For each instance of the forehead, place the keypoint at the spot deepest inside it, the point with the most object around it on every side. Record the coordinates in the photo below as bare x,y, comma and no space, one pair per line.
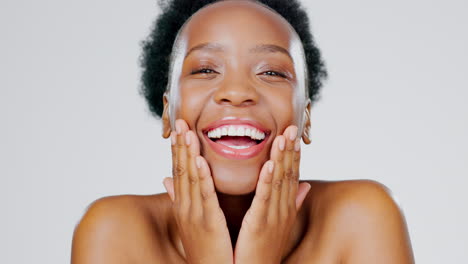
237,25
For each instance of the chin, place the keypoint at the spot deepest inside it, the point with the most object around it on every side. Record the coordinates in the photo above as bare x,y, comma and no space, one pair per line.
236,149
236,178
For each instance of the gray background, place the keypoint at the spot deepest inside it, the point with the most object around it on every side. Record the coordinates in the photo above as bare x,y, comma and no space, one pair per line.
74,128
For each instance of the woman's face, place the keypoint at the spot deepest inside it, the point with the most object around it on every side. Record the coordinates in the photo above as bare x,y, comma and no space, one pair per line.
238,70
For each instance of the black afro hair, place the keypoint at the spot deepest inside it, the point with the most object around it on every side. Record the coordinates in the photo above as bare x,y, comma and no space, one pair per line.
157,48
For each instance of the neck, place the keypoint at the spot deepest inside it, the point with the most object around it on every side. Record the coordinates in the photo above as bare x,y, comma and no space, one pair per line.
234,207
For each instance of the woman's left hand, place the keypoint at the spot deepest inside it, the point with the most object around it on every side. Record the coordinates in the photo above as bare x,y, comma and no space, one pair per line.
268,223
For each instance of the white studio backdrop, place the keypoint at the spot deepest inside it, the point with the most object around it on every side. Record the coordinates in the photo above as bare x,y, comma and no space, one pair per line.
74,128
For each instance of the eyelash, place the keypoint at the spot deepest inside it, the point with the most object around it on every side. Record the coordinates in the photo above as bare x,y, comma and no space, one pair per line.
280,74
202,69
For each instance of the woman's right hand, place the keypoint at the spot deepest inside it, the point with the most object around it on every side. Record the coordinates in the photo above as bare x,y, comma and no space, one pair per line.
200,220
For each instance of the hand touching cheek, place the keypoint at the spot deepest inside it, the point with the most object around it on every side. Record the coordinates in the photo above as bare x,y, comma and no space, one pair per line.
268,223
200,220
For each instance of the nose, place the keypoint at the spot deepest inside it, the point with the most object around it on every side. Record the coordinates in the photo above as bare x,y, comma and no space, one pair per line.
237,91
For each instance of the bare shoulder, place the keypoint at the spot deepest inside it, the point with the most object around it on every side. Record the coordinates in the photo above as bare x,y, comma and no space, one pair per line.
122,229
360,219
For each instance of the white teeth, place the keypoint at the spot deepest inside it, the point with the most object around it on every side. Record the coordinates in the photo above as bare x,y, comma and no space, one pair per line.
260,135
255,135
239,131
232,131
238,147
215,133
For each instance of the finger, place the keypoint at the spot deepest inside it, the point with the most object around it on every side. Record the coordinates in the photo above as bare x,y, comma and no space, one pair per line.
207,188
296,171
182,194
262,196
286,203
277,155
193,151
302,192
175,164
169,185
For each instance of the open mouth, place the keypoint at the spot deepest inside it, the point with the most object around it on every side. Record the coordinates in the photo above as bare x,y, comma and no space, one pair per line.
236,137
236,141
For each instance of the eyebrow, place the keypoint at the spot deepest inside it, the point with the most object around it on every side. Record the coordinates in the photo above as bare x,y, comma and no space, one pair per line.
269,48
262,48
213,47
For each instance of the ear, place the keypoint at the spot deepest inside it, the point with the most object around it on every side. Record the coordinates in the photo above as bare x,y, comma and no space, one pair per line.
306,131
166,129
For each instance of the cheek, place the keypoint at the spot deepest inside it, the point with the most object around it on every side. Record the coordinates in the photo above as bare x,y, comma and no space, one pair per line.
192,99
281,103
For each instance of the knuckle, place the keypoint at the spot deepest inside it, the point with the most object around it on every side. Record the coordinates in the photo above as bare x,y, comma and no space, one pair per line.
289,174
193,179
280,157
206,195
277,183
297,156
192,153
268,180
296,176
178,170
179,145
264,197
202,176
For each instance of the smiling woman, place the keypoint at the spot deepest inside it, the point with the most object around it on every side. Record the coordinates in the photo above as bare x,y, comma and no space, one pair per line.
234,91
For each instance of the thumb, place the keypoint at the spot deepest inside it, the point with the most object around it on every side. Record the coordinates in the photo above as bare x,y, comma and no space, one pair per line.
303,190
169,185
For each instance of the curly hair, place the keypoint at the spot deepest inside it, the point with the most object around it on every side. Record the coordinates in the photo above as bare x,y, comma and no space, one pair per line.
157,48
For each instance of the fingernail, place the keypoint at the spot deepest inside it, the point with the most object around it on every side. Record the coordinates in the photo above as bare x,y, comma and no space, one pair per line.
173,138
198,162
178,128
297,145
187,139
271,166
281,143
292,133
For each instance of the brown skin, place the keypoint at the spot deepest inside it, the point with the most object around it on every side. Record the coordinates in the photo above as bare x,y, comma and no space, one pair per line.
226,211
238,84
265,230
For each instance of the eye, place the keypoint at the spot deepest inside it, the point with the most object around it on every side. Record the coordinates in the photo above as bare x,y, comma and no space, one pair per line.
203,70
275,73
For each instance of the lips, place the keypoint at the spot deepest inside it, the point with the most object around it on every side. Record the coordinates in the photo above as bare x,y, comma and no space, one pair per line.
236,138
